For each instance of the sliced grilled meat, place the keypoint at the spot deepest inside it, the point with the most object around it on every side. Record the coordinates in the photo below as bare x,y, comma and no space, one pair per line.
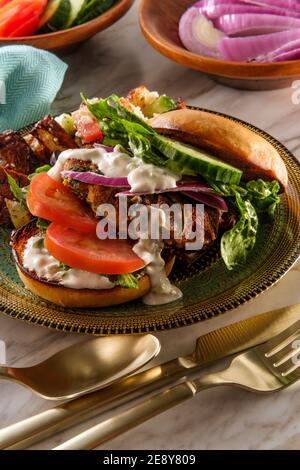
214,220
15,154
5,193
52,137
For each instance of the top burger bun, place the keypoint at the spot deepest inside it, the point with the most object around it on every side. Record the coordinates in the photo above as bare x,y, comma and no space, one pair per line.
228,140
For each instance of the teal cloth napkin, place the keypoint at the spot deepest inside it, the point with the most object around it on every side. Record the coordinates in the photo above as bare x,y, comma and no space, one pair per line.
29,81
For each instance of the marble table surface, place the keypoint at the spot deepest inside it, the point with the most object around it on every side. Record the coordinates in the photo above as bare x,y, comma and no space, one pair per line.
118,60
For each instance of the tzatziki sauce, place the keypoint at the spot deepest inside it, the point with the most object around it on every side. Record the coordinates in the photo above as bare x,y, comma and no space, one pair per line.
142,177
36,258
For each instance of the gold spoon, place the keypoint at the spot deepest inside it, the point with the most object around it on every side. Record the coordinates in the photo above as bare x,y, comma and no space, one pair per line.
85,367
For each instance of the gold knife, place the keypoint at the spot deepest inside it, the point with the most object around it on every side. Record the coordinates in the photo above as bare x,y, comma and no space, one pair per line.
209,348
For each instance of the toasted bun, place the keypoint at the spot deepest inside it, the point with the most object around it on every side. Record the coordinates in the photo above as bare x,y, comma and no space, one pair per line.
73,298
230,141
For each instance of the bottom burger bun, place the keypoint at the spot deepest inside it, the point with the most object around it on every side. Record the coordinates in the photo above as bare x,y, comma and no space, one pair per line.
74,298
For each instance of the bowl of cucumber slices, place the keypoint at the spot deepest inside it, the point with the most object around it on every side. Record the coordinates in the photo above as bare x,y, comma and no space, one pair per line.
57,24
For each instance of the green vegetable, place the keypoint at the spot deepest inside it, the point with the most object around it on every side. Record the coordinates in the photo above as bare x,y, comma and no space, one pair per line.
240,240
40,169
115,118
141,146
161,105
256,197
119,124
193,161
66,121
76,6
18,193
55,16
264,196
42,224
91,9
128,281
63,267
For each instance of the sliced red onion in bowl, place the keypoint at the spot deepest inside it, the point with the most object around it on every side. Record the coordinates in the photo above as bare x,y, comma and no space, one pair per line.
241,49
93,178
198,34
287,50
213,8
250,24
216,10
212,200
287,4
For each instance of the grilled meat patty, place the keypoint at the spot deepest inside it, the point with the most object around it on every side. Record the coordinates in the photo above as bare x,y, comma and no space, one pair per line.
214,219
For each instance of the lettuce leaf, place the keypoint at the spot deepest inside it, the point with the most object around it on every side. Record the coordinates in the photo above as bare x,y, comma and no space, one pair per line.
128,281
40,169
18,192
256,197
237,243
264,196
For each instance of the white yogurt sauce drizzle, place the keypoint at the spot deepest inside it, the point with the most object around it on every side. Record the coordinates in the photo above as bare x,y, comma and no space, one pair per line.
142,177
117,164
37,258
162,291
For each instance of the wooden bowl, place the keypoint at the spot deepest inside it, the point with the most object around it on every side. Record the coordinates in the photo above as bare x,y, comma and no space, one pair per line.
70,38
159,23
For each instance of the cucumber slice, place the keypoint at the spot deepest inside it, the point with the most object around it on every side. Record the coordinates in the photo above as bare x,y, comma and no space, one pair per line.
56,16
76,6
161,105
91,9
189,160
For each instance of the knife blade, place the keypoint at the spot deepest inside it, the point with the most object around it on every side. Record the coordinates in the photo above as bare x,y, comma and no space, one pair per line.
210,347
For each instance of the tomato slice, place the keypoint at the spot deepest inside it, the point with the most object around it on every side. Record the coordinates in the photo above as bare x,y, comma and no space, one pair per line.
4,2
53,201
27,28
87,126
89,253
17,13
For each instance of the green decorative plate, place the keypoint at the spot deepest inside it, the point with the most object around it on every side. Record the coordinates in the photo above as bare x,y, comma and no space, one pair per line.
208,288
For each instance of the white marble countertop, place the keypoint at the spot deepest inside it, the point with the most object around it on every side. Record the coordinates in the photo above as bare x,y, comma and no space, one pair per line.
118,60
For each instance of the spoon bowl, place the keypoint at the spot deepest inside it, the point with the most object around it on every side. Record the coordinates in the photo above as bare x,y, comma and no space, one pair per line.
85,367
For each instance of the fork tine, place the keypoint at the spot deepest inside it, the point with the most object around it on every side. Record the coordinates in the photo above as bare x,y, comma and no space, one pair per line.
283,344
288,356
290,370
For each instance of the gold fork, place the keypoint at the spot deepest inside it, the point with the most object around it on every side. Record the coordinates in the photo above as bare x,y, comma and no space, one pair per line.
268,368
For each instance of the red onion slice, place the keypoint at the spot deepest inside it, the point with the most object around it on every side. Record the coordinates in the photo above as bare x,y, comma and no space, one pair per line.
215,12
212,200
248,48
198,34
286,4
93,178
181,186
282,53
104,147
250,24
